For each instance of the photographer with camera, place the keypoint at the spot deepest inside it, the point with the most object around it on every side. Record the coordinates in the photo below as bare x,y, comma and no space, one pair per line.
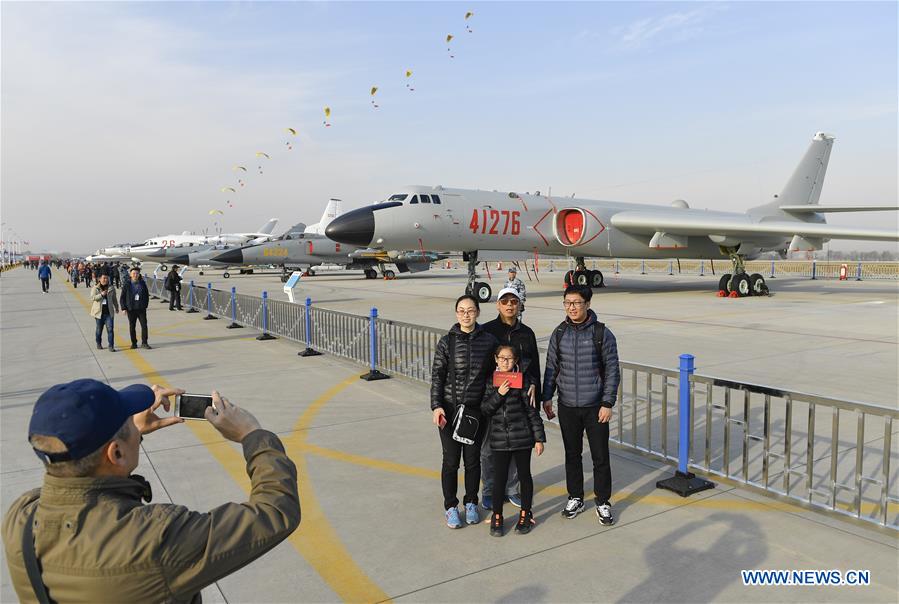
86,536
172,284
103,301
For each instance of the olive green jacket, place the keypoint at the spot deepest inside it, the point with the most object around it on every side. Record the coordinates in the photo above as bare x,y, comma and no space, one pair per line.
96,542
112,301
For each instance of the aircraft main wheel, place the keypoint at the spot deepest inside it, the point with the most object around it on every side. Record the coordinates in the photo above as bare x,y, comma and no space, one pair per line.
284,278
581,277
226,274
596,279
371,273
757,285
740,284
389,274
163,268
567,280
201,273
724,283
482,292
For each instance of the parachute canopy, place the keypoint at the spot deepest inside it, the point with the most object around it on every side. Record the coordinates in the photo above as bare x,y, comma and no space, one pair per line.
292,131
468,15
408,73
374,89
228,189
236,168
212,212
262,154
449,37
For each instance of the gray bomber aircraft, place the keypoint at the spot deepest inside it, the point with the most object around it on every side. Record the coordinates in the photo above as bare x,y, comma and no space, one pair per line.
306,250
472,221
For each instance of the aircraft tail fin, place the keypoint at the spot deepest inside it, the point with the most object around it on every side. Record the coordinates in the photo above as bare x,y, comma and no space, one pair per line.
332,211
268,227
804,186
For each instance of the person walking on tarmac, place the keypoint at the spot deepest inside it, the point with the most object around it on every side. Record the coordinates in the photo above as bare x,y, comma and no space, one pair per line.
462,362
134,301
582,362
173,286
104,306
507,328
518,285
44,274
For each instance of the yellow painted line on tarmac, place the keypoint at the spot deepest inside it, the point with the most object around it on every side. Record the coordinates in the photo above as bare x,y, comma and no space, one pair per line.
316,540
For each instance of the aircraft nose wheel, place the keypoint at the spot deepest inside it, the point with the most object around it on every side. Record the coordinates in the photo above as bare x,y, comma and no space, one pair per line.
226,275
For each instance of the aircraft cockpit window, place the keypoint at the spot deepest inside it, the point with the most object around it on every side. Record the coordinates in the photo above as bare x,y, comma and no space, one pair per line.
425,199
414,199
398,197
435,199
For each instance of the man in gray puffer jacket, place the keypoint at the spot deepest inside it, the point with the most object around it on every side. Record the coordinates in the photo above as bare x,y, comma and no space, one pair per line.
582,362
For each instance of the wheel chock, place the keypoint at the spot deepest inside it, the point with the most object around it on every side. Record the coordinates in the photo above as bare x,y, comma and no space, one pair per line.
722,293
734,295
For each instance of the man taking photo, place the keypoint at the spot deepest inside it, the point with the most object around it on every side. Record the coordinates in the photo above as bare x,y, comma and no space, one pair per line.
582,362
87,537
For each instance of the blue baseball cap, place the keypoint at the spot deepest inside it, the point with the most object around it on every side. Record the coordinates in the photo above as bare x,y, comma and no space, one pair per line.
84,415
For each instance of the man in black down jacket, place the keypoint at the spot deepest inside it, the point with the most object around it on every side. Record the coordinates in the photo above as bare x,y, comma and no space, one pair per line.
172,284
588,387
507,328
134,300
458,376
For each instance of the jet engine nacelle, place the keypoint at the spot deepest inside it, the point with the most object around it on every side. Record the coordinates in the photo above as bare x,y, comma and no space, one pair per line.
574,227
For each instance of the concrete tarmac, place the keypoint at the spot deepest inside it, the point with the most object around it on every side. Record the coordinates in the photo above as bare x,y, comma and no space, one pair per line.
369,459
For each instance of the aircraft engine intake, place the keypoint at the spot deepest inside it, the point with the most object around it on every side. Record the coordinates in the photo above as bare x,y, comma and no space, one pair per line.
575,227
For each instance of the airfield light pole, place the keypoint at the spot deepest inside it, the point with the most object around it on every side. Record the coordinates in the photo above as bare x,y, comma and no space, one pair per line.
684,483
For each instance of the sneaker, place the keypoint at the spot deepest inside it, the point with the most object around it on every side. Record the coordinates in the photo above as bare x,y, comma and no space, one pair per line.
134,347
99,346
574,507
496,526
111,349
146,346
452,518
525,522
604,513
487,502
514,500
471,513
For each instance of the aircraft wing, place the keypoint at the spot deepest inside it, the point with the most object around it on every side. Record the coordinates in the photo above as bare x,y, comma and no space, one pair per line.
696,224
814,208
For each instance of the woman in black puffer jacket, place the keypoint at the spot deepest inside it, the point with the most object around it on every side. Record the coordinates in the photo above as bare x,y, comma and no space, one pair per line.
462,362
514,429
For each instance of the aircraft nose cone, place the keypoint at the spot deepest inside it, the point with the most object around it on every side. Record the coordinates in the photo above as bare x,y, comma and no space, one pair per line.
230,257
356,227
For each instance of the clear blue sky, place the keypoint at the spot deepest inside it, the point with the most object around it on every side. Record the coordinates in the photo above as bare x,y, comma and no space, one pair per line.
123,120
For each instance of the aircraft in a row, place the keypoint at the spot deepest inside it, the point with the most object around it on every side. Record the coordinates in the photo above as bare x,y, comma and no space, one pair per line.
488,223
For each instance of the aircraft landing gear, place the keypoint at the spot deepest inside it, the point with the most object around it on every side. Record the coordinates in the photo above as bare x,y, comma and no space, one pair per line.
739,284
371,273
226,275
581,275
478,289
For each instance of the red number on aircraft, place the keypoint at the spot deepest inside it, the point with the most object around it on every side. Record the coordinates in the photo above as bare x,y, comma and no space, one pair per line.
509,218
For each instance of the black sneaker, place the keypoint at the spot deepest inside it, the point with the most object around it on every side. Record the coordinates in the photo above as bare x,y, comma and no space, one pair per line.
496,526
574,507
604,513
112,349
525,522
99,346
134,347
147,346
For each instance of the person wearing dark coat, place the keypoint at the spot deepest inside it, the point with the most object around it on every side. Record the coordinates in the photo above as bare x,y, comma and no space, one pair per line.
173,286
134,301
514,429
462,362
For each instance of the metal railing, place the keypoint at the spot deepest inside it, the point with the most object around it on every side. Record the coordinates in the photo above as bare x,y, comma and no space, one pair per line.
800,447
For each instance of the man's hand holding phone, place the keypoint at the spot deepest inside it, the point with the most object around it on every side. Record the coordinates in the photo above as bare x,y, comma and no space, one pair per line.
147,421
230,420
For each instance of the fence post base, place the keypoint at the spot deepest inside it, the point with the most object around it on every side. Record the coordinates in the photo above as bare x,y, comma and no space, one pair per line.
209,318
685,484
266,336
234,326
374,375
191,310
309,352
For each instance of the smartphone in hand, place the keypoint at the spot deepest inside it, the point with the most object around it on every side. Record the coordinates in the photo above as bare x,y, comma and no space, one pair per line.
192,406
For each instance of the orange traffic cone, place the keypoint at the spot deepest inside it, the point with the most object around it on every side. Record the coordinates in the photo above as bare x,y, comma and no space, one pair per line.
722,293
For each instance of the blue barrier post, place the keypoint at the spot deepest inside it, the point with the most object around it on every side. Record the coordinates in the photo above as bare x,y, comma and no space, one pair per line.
858,272
265,335
701,268
643,267
190,298
684,483
373,373
814,269
309,352
209,316
671,267
617,266
234,323
772,270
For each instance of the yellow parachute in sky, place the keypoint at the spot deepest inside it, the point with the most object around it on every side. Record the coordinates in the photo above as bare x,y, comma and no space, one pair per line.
292,131
228,189
468,16
262,154
236,168
449,38
327,117
374,89
212,212
408,75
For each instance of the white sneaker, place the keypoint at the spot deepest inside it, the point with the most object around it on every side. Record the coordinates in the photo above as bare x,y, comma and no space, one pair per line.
604,513
574,507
